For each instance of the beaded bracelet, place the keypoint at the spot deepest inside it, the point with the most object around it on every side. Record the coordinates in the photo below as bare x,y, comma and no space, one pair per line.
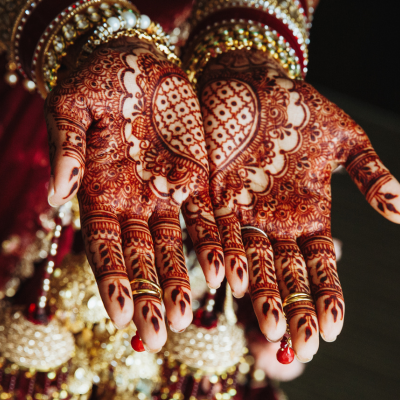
39,33
237,35
106,21
279,27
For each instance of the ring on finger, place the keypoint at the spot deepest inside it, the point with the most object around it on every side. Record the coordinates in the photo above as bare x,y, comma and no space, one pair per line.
295,297
248,227
137,290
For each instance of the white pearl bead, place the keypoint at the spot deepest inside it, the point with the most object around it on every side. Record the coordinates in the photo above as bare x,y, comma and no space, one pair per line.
113,23
144,21
130,19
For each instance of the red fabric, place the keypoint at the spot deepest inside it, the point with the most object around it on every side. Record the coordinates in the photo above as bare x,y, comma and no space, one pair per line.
24,170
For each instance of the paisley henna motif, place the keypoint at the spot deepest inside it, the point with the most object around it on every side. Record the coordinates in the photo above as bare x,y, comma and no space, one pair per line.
127,126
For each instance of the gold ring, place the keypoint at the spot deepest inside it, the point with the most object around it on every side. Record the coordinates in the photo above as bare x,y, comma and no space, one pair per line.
295,297
157,291
248,227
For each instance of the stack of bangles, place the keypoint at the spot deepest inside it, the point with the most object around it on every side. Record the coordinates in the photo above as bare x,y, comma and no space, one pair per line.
43,30
279,28
142,286
38,33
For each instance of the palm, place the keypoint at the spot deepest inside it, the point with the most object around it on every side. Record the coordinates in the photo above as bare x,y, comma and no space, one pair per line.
272,145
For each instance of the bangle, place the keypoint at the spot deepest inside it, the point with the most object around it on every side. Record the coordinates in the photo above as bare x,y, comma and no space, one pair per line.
237,35
280,28
106,20
39,32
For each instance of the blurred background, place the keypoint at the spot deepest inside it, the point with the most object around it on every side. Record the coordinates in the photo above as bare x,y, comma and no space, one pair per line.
353,62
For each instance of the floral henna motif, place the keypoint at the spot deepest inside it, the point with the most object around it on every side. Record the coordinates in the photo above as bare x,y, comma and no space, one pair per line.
102,234
272,144
138,250
370,175
204,234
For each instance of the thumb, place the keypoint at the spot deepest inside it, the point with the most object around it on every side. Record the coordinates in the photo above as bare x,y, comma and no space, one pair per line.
67,145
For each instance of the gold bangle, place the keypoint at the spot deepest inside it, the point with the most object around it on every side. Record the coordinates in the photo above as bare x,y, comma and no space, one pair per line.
103,20
68,26
157,291
237,35
160,41
291,13
295,297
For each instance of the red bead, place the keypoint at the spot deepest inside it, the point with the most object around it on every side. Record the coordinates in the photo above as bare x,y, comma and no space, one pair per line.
137,344
205,319
285,355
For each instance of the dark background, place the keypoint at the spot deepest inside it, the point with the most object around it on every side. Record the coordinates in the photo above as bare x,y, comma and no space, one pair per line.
354,61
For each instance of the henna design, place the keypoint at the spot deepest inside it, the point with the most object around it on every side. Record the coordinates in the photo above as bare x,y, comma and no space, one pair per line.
204,234
151,312
272,144
230,233
262,275
319,253
307,320
292,273
170,260
121,289
130,130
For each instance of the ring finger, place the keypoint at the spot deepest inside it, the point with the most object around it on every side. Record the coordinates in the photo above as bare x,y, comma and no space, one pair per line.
263,288
139,260
292,278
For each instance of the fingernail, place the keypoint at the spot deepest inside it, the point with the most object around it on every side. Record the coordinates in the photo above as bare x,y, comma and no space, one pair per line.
213,288
51,191
272,341
326,340
236,296
120,327
303,360
151,351
175,330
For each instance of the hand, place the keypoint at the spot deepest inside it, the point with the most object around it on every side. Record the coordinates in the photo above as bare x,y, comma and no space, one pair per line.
272,144
125,130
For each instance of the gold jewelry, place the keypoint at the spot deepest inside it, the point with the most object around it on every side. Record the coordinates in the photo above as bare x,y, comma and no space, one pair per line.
157,291
158,40
290,12
295,297
248,227
106,20
236,35
278,27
